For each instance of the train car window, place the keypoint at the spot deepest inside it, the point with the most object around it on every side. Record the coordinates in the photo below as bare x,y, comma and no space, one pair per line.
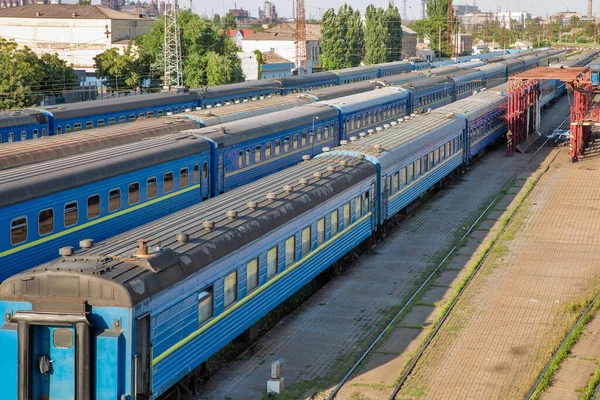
131,117
93,206
404,176
277,146
241,159
272,261
71,214
168,182
196,173
89,125
150,114
183,177
306,241
204,170
290,251
443,153
303,139
396,181
111,122
59,130
68,129
114,199
320,231
205,305
335,221
44,132
286,144
347,215
46,221
230,289
437,156
159,113
62,338
319,133
100,123
431,163
141,115
133,193
311,138
411,172
151,188
295,143
326,132
122,119
176,110
268,150
358,207
353,123
358,124
247,156
24,135
11,137
370,118
257,153
76,127
18,230
252,275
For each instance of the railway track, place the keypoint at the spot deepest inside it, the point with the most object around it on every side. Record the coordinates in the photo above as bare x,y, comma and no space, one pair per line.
413,299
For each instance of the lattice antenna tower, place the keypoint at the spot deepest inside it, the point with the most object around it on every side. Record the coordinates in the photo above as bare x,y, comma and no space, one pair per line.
423,8
301,64
404,10
172,47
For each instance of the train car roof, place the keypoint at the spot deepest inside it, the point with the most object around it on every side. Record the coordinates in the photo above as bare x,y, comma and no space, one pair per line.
220,115
32,181
110,274
334,92
403,79
21,117
467,75
232,89
394,65
360,101
298,80
401,141
427,83
241,131
451,69
476,105
471,64
59,146
118,104
356,70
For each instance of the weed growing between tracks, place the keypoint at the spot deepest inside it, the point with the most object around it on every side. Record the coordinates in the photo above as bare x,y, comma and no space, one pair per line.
589,390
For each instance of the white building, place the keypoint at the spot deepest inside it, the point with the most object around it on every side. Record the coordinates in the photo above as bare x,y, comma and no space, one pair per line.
77,33
281,40
506,18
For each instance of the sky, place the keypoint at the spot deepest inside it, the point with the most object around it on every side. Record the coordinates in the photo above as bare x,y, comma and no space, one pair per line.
315,8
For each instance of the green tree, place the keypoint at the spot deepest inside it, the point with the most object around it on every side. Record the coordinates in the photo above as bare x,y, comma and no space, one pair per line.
228,21
120,71
56,75
376,35
394,29
20,72
355,39
333,41
217,20
201,42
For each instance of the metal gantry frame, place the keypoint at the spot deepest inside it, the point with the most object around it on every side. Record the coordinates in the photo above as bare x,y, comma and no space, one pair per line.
523,96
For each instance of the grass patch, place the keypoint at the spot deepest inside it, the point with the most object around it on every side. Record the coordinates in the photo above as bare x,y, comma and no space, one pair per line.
588,392
425,303
565,351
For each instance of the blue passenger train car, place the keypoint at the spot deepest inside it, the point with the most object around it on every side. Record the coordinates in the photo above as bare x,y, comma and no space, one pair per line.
22,125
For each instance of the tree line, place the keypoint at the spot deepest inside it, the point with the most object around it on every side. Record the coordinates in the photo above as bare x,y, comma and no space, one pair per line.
347,42
208,56
26,78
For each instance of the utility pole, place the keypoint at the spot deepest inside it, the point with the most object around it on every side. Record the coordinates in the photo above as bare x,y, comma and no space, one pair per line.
301,64
172,48
423,3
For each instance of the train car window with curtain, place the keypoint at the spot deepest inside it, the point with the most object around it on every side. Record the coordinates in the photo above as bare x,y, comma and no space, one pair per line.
230,289
252,275
168,182
334,223
241,159
205,305
151,188
272,258
114,200
18,230
347,215
257,153
133,193
277,146
46,221
196,173
306,241
321,231
183,177
247,156
71,214
93,206
290,251
358,208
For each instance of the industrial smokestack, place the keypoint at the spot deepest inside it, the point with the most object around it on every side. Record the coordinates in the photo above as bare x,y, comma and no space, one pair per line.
589,9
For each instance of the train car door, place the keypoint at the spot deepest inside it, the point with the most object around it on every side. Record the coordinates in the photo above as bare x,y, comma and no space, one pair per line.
142,356
53,363
221,173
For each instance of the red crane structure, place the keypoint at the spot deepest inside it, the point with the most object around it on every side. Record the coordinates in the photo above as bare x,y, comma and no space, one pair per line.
301,65
523,96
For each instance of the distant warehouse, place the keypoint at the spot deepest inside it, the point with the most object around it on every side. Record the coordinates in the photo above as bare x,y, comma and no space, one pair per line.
77,33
